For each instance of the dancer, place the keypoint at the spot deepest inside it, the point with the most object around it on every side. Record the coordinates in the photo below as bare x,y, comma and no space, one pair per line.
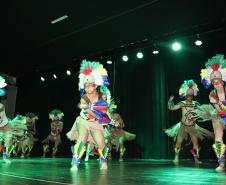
187,125
5,137
53,140
18,131
117,136
89,124
11,131
28,143
215,74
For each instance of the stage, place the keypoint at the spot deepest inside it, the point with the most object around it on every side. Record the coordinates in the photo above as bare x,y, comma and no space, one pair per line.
40,171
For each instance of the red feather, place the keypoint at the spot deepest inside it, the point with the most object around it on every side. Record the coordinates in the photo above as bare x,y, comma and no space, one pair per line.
215,67
87,70
190,86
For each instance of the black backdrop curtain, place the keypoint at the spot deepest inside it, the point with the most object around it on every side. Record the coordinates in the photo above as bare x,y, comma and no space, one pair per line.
141,96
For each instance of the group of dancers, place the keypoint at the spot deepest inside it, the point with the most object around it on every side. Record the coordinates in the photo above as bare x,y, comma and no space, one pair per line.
99,128
17,135
214,74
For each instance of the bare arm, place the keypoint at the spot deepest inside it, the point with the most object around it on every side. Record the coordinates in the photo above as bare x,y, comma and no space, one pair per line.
171,105
217,107
53,126
61,126
85,106
34,129
82,104
120,121
215,103
1,107
122,124
90,112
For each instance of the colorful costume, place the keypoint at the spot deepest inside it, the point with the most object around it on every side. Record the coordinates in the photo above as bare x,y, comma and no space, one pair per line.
11,133
215,74
27,144
5,136
187,125
89,124
18,130
116,136
54,138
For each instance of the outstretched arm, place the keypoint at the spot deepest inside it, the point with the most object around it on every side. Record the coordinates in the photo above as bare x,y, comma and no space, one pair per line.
61,126
171,105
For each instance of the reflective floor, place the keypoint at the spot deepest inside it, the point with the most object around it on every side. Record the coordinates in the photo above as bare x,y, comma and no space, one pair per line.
40,171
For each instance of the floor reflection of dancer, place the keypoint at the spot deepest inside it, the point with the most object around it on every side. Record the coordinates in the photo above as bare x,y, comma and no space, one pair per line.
187,125
53,140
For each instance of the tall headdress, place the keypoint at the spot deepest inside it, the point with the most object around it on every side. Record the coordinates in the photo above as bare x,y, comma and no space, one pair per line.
57,113
18,125
19,119
31,116
215,69
94,72
188,87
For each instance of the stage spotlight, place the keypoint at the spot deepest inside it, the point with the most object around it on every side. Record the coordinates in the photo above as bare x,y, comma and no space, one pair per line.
68,72
176,46
155,52
125,58
59,19
198,42
42,79
109,62
140,55
55,76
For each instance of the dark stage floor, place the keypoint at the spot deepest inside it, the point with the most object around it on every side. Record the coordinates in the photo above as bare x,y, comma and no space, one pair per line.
40,171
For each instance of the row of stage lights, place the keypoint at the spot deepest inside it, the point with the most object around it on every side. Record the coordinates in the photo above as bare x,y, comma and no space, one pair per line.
68,72
176,46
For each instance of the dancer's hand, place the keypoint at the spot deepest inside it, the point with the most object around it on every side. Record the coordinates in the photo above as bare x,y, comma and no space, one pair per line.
114,123
171,98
